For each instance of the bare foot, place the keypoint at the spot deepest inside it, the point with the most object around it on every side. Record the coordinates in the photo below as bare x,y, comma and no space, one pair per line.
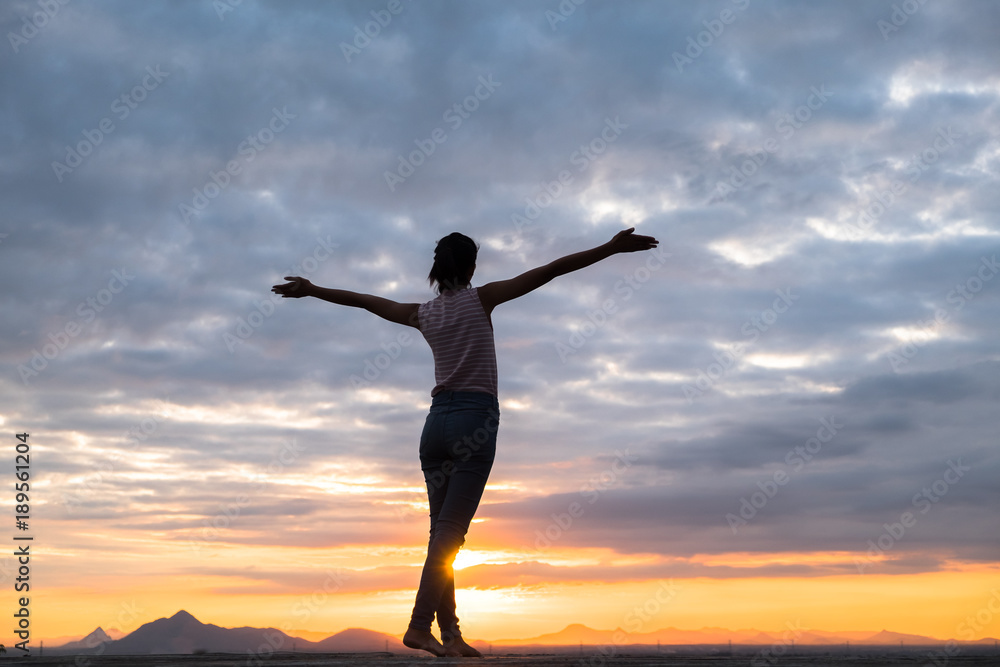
425,641
464,649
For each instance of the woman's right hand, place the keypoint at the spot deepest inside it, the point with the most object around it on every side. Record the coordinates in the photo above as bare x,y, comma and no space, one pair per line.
296,289
627,241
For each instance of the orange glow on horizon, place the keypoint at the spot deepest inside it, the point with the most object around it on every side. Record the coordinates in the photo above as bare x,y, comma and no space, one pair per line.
869,602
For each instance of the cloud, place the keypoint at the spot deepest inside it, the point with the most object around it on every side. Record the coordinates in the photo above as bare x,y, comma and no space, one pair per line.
808,113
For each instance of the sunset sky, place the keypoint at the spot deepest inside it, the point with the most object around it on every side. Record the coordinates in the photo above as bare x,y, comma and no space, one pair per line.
786,415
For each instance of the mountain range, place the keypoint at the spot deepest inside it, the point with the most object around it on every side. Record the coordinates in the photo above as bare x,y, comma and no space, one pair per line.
183,633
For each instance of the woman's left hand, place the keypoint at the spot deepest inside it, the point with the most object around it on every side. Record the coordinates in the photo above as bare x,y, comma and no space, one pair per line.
296,289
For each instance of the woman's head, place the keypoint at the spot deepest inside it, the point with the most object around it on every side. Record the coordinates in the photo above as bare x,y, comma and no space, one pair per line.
454,262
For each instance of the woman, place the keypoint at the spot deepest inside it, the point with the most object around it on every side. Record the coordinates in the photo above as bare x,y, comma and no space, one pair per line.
458,441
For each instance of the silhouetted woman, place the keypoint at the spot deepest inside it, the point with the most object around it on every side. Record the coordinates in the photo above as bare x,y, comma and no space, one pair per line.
458,441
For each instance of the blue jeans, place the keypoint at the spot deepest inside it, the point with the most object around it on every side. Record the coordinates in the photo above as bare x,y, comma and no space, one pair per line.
457,447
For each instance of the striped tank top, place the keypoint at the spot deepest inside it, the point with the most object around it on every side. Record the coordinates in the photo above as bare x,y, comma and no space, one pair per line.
461,339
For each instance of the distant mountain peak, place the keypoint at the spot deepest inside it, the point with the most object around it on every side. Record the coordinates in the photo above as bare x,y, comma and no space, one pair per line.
95,638
183,616
98,634
884,636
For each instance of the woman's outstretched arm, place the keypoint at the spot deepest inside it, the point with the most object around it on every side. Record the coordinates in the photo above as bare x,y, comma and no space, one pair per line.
495,293
400,313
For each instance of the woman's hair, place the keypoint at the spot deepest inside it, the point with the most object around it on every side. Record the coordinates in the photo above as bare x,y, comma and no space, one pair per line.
454,257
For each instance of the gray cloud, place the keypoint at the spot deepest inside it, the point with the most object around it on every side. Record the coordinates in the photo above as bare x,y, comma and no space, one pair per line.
195,337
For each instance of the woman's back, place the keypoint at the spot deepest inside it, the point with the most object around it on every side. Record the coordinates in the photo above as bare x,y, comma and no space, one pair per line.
460,335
